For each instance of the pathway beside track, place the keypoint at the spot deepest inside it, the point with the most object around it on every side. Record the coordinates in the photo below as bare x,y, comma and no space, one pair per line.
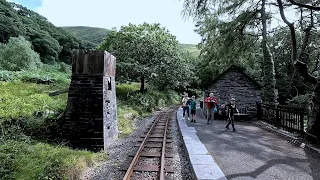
254,153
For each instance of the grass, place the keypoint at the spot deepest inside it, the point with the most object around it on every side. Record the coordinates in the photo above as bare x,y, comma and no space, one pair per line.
20,160
23,99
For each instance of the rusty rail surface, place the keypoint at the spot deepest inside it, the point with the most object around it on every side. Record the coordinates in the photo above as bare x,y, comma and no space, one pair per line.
160,118
162,166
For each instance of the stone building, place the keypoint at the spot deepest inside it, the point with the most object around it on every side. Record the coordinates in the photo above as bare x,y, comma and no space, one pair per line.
234,83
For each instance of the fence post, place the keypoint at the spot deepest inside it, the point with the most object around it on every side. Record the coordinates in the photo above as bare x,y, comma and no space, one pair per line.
278,120
301,122
258,110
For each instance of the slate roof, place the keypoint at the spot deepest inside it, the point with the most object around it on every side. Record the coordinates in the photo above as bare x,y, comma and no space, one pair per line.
233,67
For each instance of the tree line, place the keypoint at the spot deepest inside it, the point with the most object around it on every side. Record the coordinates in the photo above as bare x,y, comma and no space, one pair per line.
284,59
50,42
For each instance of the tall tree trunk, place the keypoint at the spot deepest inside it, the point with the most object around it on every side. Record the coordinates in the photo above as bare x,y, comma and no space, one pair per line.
142,84
313,125
269,80
314,111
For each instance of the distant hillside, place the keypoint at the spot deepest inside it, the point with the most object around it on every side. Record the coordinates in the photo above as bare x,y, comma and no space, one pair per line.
96,36
191,48
91,34
46,39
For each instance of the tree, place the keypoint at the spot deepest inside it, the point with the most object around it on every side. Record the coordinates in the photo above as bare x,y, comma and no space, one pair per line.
303,47
145,52
52,43
246,19
10,25
299,60
18,55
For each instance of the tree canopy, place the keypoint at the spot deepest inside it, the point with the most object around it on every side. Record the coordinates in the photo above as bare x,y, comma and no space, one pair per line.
18,55
52,43
289,54
147,52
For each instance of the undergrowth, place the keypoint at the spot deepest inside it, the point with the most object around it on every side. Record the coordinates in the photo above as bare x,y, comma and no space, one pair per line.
19,99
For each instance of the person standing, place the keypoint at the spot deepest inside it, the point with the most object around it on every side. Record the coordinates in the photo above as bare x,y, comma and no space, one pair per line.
231,109
193,108
211,102
185,105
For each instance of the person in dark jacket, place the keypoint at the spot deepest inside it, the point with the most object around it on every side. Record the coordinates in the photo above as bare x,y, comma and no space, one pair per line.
231,110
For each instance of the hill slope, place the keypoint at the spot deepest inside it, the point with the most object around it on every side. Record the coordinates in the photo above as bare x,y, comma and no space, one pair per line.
91,34
47,39
96,35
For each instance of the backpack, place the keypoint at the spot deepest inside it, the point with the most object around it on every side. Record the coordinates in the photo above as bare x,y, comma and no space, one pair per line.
215,110
189,102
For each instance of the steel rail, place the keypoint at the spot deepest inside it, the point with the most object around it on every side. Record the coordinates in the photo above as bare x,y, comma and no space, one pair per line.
136,157
162,166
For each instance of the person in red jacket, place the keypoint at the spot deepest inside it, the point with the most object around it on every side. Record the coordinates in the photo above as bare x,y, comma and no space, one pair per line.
211,103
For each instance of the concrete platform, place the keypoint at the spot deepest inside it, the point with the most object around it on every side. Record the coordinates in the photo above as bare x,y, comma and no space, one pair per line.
203,164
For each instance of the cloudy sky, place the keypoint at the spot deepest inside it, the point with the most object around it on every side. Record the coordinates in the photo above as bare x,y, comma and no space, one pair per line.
115,13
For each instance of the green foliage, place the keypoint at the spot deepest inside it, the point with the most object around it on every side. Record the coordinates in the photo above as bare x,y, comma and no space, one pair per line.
20,160
50,42
10,24
92,35
223,45
146,52
17,55
122,90
301,100
126,115
21,156
191,49
23,99
130,105
47,74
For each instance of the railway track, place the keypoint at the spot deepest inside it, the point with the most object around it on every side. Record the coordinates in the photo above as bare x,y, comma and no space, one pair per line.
155,144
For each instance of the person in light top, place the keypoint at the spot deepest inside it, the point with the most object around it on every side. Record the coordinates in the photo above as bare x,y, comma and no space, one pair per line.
185,105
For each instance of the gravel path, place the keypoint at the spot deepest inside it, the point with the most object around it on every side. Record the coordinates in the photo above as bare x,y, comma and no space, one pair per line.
118,155
254,153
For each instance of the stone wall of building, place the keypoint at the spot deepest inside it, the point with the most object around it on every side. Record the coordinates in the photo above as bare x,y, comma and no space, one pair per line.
233,84
91,116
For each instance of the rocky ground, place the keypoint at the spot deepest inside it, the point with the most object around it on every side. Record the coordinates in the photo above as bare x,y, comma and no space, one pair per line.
118,155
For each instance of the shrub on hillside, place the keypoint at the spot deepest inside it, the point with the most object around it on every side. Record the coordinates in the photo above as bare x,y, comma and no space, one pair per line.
18,55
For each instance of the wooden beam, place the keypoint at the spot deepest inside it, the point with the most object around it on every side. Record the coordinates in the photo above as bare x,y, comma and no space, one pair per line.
56,93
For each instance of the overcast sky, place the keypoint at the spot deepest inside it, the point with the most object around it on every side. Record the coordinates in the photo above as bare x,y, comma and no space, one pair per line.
115,13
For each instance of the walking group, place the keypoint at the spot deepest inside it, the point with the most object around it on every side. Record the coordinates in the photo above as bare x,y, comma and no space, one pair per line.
212,107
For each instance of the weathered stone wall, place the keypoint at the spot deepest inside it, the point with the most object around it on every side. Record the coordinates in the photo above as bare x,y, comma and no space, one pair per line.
90,119
235,85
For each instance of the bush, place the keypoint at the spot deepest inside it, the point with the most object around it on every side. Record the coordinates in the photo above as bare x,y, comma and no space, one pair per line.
48,74
301,100
18,55
8,75
122,90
